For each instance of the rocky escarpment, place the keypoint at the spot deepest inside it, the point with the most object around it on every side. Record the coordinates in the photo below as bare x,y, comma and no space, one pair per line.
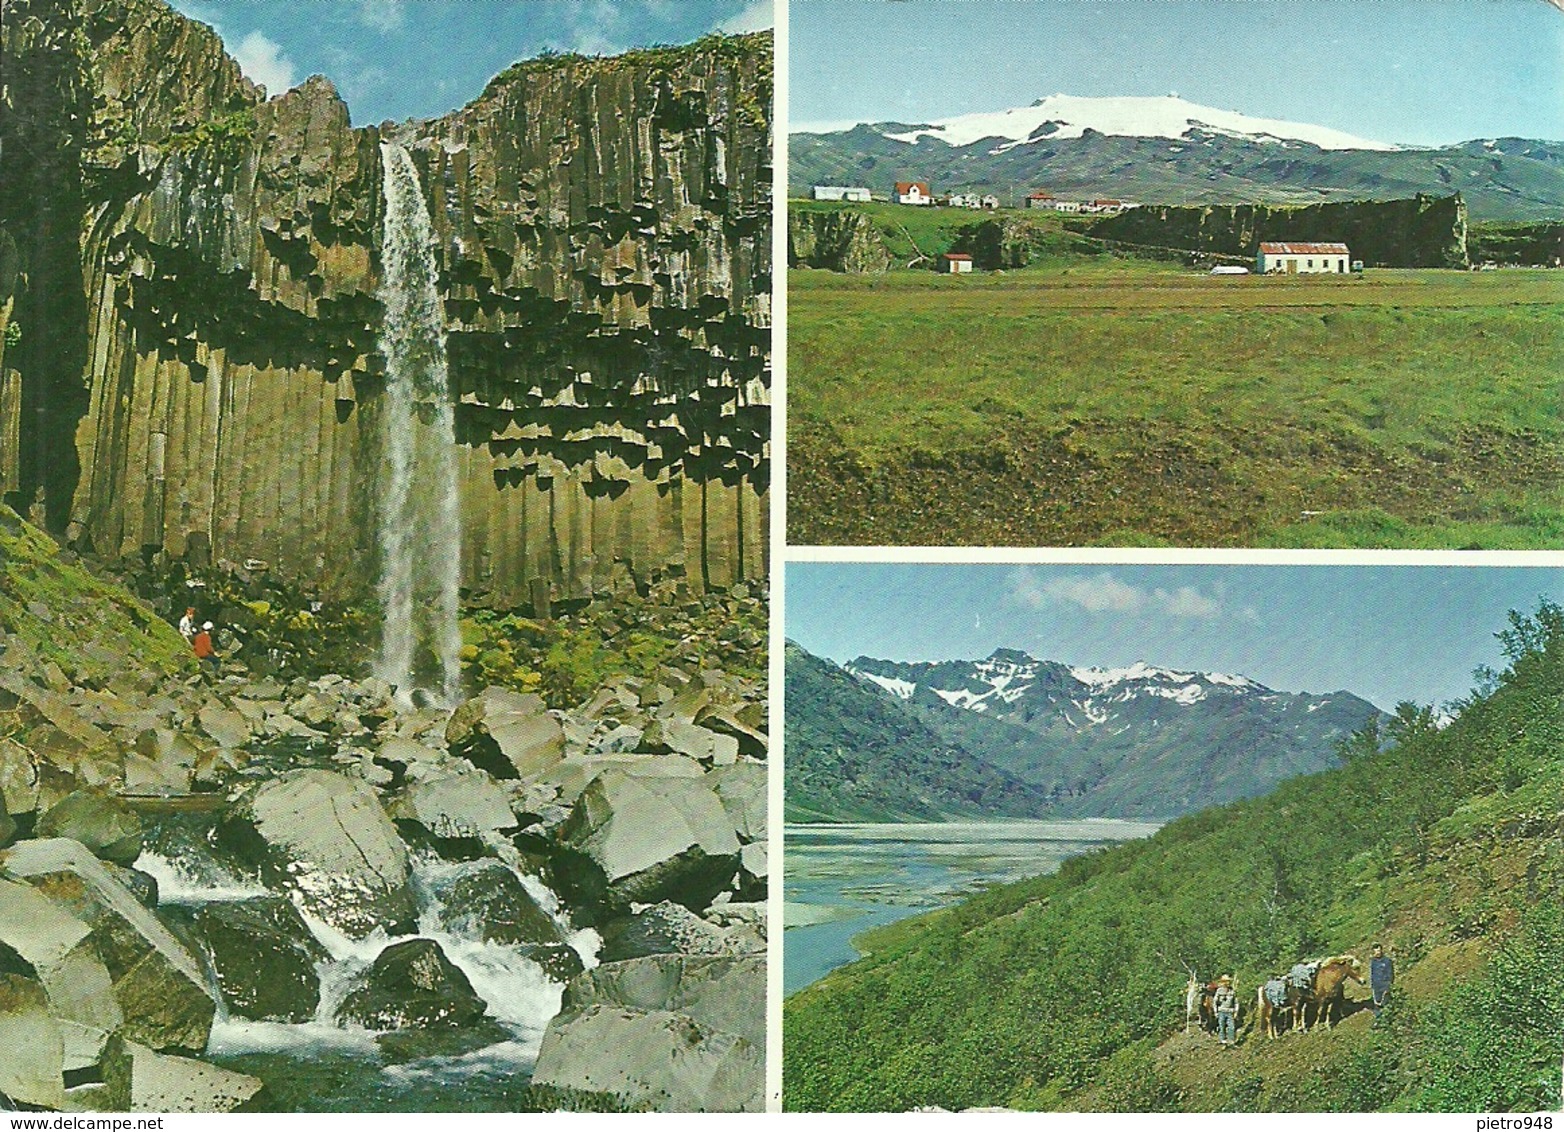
191,272
837,240
1423,231
195,868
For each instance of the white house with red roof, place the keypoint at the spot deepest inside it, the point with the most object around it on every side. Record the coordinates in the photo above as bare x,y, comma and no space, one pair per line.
912,192
1286,258
955,263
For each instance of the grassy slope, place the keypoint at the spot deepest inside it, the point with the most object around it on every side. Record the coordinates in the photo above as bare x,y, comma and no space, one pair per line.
1066,991
1135,403
92,629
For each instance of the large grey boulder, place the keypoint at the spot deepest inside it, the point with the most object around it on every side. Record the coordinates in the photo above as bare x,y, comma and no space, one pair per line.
678,737
459,804
573,775
662,929
742,788
326,838
227,728
660,1060
162,762
138,1079
264,958
106,826
412,985
632,839
107,963
723,992
32,1046
492,903
509,734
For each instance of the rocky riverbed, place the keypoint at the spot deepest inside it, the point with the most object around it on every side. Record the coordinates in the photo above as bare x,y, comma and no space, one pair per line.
231,891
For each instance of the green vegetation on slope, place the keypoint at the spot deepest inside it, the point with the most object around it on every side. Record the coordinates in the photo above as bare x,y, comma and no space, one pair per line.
92,629
1139,405
1066,991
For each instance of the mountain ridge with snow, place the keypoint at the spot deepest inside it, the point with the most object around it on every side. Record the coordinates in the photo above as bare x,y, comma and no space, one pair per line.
1062,116
1139,742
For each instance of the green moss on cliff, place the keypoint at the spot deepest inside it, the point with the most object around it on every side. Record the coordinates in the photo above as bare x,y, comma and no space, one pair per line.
61,613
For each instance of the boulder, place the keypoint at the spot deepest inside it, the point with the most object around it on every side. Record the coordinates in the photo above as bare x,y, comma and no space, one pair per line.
108,964
725,721
161,762
724,992
509,734
742,788
18,777
468,804
676,736
412,985
325,837
7,824
226,728
665,928
655,1059
32,1046
492,903
106,826
558,960
574,774
632,839
264,958
138,1079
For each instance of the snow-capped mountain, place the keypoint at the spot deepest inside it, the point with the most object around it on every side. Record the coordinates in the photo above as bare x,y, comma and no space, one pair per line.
1062,116
1137,741
1167,150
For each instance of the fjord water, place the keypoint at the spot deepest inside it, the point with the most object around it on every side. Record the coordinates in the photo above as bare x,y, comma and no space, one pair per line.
843,879
420,532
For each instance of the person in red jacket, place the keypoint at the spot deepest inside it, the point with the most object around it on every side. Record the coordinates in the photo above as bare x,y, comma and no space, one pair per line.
202,643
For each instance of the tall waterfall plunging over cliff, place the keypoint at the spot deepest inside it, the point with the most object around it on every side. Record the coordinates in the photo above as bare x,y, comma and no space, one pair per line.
420,530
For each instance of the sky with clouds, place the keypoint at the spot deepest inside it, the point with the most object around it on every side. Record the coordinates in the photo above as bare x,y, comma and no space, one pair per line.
396,59
1388,633
1410,71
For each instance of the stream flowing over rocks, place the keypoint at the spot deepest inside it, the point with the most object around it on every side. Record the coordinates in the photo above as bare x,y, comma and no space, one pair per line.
206,889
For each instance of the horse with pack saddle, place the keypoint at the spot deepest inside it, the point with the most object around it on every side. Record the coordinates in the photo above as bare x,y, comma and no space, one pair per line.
1319,983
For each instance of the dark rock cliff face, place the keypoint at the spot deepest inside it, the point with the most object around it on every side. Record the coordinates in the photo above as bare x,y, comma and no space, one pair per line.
1422,231
839,240
193,275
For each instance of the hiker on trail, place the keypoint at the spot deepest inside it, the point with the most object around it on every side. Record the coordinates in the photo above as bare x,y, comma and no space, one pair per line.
202,643
1225,1004
187,626
1382,972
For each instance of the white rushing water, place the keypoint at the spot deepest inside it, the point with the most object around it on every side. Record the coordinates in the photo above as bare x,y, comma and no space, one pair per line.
420,531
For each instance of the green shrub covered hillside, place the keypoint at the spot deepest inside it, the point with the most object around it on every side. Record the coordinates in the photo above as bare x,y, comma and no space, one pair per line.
1067,991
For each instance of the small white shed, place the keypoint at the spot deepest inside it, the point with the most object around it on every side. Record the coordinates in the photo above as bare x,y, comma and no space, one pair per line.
1303,259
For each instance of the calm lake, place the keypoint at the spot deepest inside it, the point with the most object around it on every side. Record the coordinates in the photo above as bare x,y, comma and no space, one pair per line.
843,879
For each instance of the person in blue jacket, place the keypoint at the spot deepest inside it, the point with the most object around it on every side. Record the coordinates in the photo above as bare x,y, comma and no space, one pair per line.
1382,972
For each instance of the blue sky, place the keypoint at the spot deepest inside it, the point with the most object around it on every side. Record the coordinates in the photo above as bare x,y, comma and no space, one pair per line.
1409,71
395,59
1387,633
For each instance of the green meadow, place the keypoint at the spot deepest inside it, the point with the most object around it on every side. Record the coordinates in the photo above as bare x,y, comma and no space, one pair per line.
1101,400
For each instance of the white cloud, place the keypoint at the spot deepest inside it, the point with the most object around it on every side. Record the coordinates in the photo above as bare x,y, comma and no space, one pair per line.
1104,593
758,15
382,15
262,60
1186,601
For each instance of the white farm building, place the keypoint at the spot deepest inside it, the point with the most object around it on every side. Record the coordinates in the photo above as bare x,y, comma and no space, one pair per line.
840,192
912,192
1303,259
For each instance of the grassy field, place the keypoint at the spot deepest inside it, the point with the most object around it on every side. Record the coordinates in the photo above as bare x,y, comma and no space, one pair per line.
1104,401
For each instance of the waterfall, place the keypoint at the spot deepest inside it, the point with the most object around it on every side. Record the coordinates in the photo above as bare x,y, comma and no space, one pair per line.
420,531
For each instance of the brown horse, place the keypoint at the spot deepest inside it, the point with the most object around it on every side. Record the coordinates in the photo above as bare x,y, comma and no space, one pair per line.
1330,986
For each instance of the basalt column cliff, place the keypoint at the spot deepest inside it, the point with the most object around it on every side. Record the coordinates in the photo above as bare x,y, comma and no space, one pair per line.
188,306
